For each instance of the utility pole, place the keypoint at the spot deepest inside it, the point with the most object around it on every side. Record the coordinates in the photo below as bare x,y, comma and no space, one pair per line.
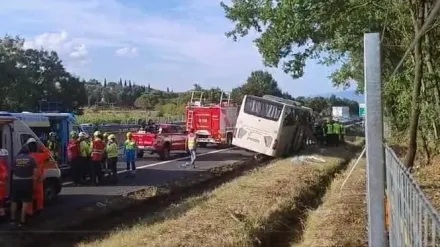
374,141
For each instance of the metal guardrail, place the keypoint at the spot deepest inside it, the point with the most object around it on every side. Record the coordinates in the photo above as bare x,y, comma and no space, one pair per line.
413,220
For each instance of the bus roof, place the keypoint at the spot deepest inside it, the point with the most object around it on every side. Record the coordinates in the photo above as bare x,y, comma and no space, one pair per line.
32,119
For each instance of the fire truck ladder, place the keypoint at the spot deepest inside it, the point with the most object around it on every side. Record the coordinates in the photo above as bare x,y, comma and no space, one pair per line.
226,99
193,97
189,120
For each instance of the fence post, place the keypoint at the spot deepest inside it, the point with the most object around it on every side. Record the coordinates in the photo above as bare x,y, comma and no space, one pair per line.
374,141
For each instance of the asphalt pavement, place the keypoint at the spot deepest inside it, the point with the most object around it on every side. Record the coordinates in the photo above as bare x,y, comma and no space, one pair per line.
150,171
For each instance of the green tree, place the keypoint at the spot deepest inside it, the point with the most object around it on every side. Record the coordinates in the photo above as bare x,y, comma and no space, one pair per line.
146,101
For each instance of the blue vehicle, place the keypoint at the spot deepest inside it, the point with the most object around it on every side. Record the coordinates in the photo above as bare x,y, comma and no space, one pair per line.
44,123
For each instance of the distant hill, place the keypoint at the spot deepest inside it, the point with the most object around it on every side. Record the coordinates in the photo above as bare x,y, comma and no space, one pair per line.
349,94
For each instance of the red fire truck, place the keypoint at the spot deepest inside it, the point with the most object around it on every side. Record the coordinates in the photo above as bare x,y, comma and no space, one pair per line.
213,122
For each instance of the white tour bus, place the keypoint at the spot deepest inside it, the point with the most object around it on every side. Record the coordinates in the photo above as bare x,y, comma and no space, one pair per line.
271,125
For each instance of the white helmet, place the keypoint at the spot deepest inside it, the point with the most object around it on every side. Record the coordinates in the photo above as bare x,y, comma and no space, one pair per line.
97,133
4,152
31,140
83,135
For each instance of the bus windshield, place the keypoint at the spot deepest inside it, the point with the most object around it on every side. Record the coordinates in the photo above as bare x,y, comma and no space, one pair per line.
263,108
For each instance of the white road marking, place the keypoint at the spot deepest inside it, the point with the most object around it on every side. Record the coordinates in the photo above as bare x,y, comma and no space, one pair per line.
165,162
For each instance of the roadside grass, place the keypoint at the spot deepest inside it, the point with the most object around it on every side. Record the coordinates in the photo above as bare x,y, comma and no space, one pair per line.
95,116
341,219
127,116
256,208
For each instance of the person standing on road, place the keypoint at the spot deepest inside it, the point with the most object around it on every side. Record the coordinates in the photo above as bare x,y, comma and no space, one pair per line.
105,167
342,136
329,133
84,156
98,149
112,157
53,145
191,145
24,171
336,132
73,156
4,174
41,155
130,154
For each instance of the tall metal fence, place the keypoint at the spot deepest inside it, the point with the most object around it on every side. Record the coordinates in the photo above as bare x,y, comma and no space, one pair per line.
413,221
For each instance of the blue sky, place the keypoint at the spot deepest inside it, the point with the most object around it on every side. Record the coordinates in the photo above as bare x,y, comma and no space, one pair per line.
169,43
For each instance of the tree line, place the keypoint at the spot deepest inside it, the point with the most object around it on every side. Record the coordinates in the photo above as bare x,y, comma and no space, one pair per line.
291,32
32,76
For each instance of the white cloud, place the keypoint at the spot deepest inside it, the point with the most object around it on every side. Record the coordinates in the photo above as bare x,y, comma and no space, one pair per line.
127,52
65,46
190,35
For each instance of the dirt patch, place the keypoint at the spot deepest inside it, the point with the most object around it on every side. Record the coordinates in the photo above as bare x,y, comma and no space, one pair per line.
247,211
97,219
341,218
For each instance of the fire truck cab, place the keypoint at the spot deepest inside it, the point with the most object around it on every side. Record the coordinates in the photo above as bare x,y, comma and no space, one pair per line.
213,122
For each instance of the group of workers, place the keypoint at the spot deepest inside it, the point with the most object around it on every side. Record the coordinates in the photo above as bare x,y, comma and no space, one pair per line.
330,132
27,179
89,158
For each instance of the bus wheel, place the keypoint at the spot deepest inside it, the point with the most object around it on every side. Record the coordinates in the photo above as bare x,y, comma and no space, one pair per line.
229,140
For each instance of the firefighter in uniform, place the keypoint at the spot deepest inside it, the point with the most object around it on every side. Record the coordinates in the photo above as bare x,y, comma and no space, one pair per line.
4,174
112,157
97,156
41,156
53,145
336,132
73,155
84,156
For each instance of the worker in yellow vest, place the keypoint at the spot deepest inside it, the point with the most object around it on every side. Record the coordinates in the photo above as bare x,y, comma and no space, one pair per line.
342,136
329,133
336,133
112,157
191,145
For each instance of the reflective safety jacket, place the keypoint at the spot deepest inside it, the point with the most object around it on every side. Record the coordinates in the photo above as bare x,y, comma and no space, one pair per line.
84,149
112,150
329,129
336,128
191,141
342,129
98,148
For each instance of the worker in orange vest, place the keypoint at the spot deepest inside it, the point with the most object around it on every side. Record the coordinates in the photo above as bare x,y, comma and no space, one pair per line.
41,155
98,148
4,172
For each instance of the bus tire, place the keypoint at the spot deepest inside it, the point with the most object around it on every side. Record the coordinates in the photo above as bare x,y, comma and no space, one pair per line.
140,154
203,144
229,140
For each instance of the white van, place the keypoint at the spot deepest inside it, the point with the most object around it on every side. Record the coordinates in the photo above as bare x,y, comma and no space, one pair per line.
14,134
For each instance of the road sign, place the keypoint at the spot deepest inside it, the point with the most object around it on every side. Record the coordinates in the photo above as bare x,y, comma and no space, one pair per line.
362,110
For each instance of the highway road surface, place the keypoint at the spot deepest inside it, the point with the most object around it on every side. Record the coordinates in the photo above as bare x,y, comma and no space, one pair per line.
150,171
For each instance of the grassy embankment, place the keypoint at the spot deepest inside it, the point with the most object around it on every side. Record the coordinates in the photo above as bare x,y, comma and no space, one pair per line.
341,219
264,207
